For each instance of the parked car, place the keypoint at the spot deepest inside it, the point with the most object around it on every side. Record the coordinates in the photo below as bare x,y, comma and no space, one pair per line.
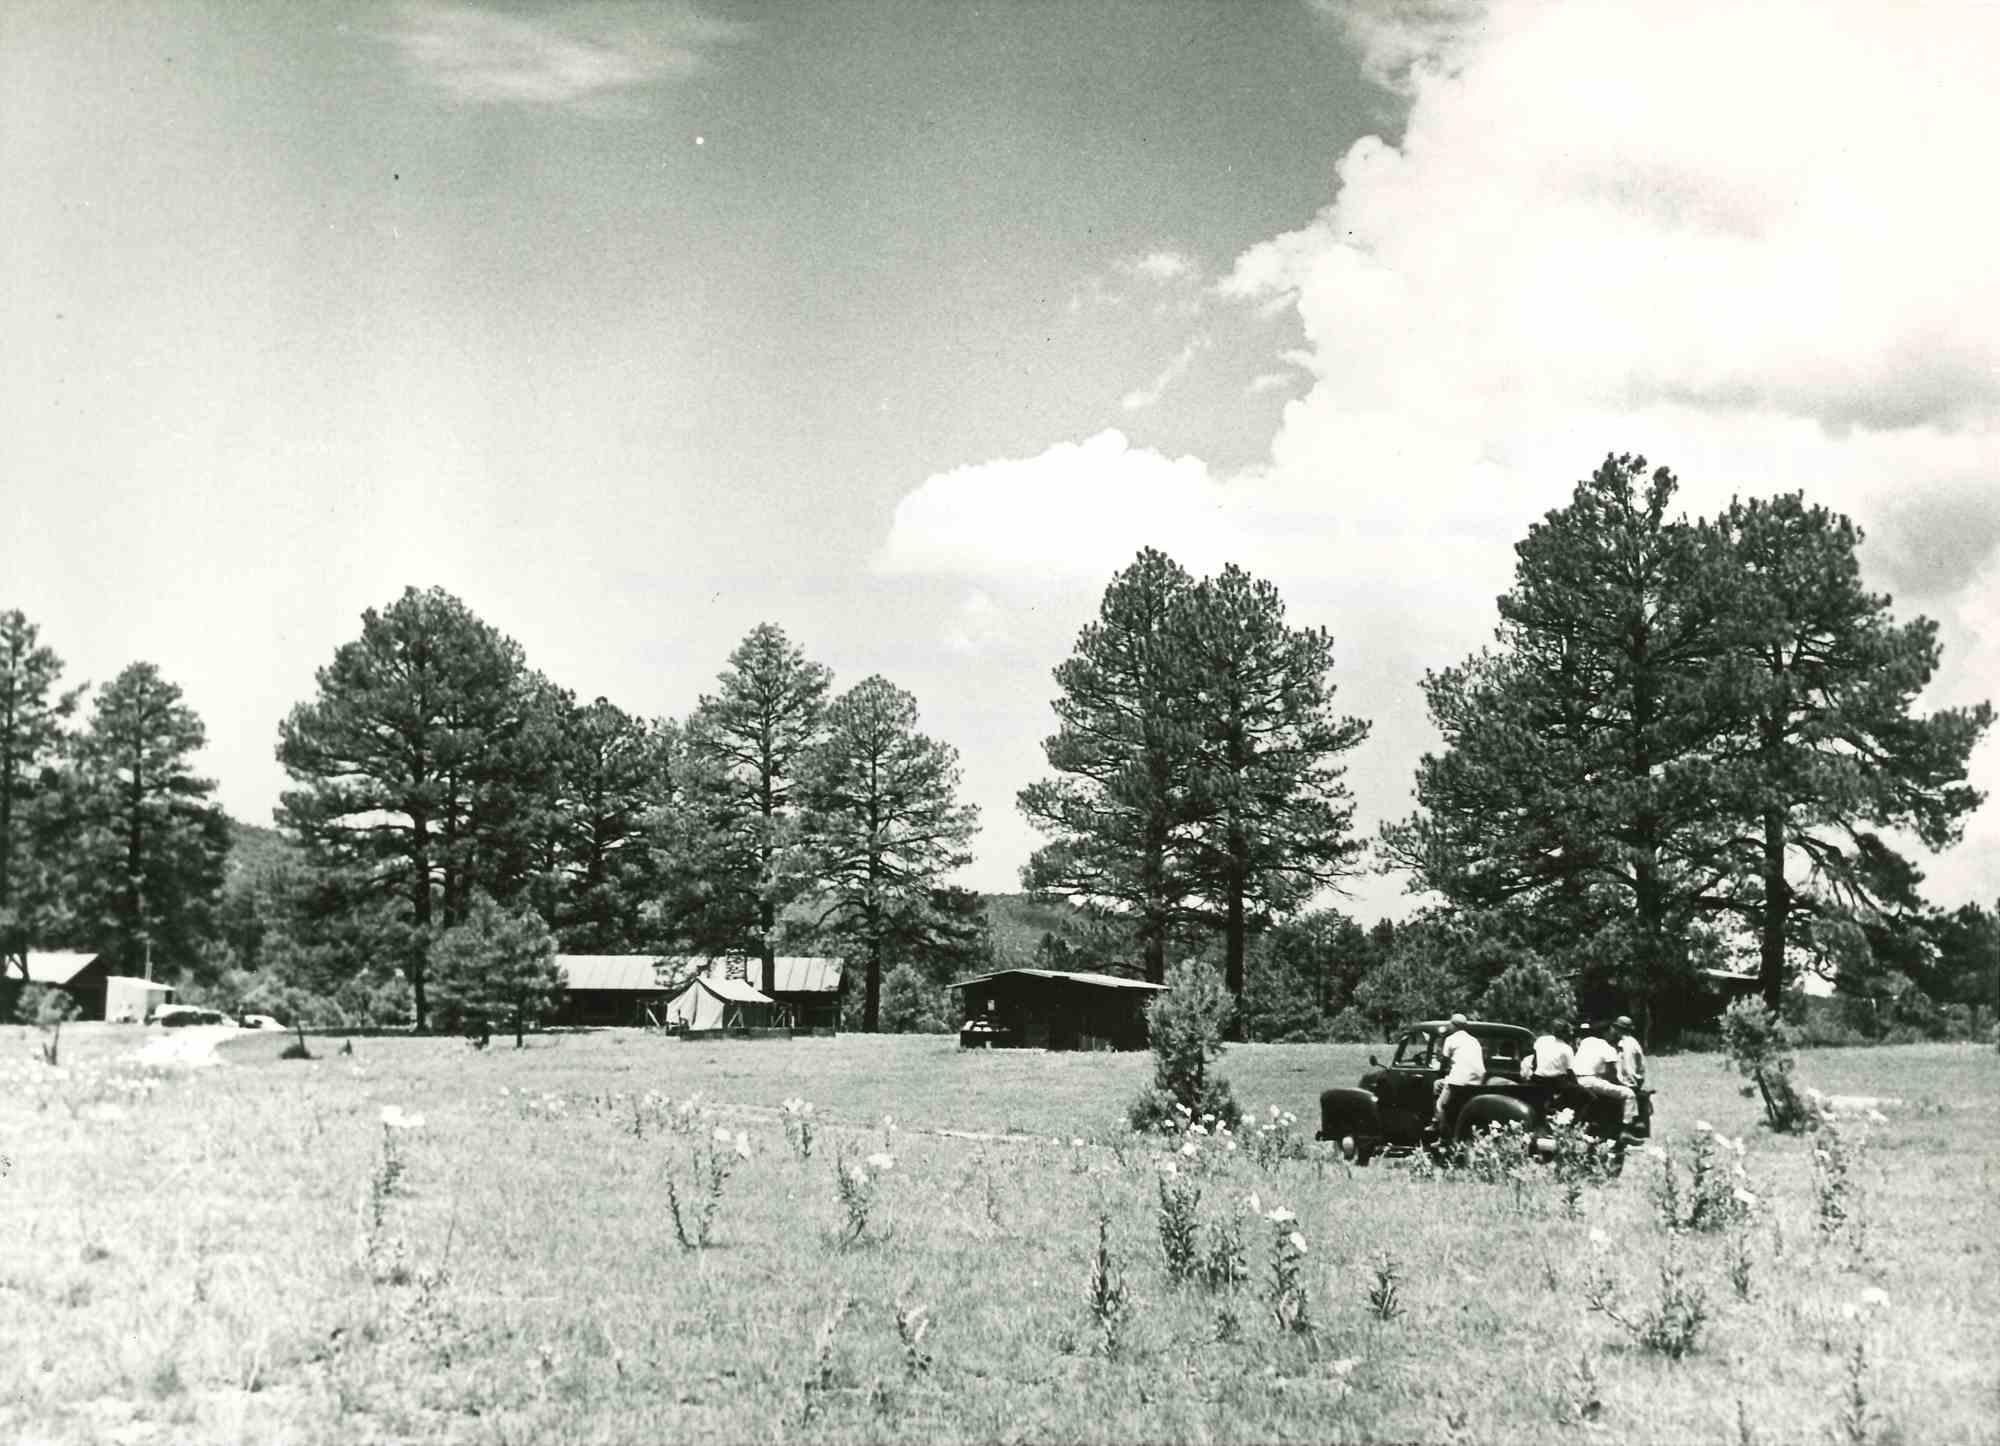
985,1032
176,1016
1393,1107
259,1021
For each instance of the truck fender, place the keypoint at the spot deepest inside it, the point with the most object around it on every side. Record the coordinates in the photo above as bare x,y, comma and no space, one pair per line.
1349,1110
1484,1111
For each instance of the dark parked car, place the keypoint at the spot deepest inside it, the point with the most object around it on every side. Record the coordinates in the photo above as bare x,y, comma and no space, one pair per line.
174,1016
1393,1106
986,1032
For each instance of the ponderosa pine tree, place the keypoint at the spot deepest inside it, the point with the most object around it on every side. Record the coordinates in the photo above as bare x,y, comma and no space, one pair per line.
152,846
744,747
881,829
1833,747
33,712
414,769
1270,819
1579,788
495,967
616,774
1116,812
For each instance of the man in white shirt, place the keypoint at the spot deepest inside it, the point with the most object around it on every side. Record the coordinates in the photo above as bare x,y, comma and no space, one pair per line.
1464,1067
1550,1057
1596,1066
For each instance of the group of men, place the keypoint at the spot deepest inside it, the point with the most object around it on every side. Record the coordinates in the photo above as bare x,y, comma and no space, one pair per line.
1613,1068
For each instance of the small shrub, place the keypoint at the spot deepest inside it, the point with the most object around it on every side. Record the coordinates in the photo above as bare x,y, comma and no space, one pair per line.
1275,1140
1760,1046
799,1127
1110,1303
1285,1292
1716,1194
1385,1294
822,1377
1180,1203
710,1164
1671,1325
912,1324
1224,1265
1833,1161
858,1184
1502,1154
1185,1027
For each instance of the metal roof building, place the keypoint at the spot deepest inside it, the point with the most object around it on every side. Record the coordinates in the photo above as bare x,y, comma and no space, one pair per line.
1054,1009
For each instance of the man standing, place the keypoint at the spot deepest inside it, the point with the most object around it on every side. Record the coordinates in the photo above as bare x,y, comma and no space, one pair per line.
1632,1068
1596,1065
1464,1068
1631,1056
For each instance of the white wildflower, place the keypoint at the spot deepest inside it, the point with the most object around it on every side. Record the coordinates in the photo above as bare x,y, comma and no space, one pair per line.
394,1118
1874,1298
882,1160
1599,1241
742,1144
1076,1142
721,1135
1298,1242
1190,1149
1703,1127
1279,1215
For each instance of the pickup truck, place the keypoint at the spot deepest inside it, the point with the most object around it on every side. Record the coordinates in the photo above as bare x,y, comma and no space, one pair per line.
1393,1106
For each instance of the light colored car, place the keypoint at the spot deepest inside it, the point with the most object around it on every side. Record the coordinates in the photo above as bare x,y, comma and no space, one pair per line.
260,1021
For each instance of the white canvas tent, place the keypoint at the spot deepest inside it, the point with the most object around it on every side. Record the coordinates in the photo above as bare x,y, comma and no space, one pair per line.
711,1003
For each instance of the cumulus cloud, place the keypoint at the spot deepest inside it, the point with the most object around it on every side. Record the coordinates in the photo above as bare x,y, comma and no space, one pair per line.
581,54
1748,241
1077,510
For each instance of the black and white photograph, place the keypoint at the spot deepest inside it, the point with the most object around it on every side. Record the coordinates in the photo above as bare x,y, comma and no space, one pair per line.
1017,721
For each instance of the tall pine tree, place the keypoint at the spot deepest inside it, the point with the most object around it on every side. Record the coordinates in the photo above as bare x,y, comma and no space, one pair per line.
882,831
1271,819
413,769
153,846
1833,747
1116,812
33,712
1579,786
744,745
616,774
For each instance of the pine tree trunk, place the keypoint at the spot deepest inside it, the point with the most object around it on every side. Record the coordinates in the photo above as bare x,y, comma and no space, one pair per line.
1777,905
420,905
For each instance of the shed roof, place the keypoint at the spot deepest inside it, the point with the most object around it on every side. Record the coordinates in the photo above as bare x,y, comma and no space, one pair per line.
1102,981
805,974
627,973
57,966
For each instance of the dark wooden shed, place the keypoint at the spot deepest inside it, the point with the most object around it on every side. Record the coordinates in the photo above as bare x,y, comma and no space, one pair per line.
1051,1009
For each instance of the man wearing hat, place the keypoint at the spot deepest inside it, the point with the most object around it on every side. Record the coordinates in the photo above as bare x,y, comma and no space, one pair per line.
1596,1065
1631,1056
1464,1067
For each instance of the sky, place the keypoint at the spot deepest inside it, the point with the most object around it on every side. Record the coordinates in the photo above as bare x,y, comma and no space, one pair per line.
905,325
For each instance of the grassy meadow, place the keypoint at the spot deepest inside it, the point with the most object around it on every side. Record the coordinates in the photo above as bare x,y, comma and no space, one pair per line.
249,1252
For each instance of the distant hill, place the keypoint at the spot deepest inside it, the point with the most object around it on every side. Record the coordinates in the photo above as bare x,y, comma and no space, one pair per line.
1016,923
254,848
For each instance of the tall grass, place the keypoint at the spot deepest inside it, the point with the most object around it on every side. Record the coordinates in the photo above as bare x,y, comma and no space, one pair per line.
180,1262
